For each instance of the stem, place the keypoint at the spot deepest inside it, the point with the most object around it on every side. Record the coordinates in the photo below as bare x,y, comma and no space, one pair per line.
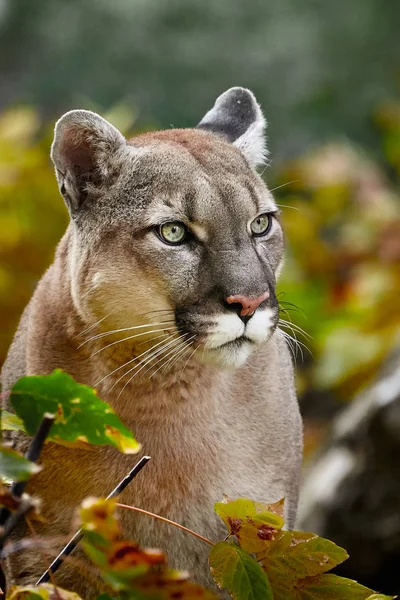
32,454
150,514
35,449
12,522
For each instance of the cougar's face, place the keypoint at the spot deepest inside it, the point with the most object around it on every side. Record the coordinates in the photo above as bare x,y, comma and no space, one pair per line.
181,244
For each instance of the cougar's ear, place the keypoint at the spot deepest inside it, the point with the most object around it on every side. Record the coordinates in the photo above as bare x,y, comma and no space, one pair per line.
83,147
237,116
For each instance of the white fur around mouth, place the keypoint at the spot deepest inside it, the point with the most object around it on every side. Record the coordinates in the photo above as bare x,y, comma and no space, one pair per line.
230,328
220,345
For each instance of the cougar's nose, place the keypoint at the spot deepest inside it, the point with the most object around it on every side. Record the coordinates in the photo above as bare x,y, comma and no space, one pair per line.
247,306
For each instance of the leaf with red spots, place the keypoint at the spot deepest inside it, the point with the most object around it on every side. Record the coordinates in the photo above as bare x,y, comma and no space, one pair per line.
251,522
124,565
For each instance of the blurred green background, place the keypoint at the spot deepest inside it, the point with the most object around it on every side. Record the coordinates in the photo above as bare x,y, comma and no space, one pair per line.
328,78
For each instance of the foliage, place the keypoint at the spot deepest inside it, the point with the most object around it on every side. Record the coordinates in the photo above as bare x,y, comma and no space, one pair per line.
81,417
257,560
10,422
294,562
126,567
43,592
236,571
15,466
344,209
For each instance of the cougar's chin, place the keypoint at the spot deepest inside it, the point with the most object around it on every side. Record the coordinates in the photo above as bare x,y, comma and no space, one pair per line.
229,356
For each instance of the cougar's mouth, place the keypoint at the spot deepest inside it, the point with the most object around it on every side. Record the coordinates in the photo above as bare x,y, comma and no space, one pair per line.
237,342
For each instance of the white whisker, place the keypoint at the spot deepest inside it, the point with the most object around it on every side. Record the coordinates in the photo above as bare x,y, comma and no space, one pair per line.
297,328
131,337
174,349
146,362
284,184
101,335
171,361
136,358
187,362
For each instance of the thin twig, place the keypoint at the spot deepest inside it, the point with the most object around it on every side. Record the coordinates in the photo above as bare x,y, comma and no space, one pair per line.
33,453
13,520
66,551
150,514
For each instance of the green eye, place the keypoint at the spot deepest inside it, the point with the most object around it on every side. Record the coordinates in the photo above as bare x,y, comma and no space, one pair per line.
172,233
261,225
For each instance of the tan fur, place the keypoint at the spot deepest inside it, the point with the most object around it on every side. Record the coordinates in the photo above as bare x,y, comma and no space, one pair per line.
210,431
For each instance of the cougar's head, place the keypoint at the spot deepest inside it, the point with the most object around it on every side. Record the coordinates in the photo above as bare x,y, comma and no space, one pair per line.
175,240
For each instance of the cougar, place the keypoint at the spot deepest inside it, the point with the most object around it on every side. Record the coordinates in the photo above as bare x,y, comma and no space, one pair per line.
162,296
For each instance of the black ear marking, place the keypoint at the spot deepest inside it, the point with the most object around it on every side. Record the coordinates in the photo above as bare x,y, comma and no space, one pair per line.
237,116
232,114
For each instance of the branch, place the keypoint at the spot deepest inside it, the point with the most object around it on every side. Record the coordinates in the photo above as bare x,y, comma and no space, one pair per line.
35,449
33,453
12,522
150,514
66,551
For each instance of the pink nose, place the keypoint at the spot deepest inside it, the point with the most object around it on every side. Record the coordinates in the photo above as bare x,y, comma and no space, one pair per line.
249,305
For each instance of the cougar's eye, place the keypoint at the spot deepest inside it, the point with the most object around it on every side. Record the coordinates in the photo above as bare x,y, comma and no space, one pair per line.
261,224
172,233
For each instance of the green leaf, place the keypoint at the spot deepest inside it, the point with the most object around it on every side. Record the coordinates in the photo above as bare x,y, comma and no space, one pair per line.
81,417
45,591
237,572
10,422
14,466
381,597
253,523
327,587
297,555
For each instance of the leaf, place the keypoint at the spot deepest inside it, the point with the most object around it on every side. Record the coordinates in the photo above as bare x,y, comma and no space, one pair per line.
81,417
381,597
14,466
171,585
326,587
8,500
10,421
299,554
120,561
253,523
45,591
98,515
237,572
